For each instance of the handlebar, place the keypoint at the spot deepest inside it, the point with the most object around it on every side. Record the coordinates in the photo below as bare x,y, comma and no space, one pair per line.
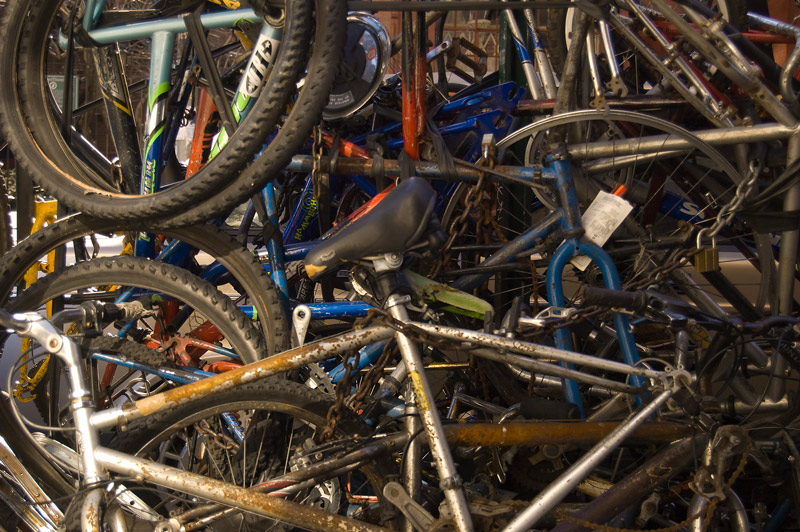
606,297
94,311
676,310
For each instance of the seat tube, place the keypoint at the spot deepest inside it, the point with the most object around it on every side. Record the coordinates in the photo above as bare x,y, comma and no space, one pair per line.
450,481
412,473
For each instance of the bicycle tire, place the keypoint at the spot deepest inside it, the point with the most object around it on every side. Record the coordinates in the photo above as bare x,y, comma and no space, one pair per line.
305,113
30,129
5,220
244,267
716,164
234,325
114,345
285,398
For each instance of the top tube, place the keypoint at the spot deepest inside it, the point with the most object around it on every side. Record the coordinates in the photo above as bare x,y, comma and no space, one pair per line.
145,29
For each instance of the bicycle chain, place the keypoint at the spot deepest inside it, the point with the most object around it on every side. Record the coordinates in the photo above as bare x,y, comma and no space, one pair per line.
378,317
459,226
343,387
342,391
743,191
372,377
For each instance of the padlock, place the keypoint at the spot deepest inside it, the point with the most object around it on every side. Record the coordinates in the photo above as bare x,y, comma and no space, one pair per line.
707,260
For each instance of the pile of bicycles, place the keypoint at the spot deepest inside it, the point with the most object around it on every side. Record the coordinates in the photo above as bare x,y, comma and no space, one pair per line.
558,297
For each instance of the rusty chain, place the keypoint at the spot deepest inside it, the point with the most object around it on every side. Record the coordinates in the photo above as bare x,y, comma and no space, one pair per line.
459,226
375,316
343,387
351,361
372,377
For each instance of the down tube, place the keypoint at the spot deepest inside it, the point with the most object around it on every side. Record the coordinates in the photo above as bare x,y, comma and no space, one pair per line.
162,45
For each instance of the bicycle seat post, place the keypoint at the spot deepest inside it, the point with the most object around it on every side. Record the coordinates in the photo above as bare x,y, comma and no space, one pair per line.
420,402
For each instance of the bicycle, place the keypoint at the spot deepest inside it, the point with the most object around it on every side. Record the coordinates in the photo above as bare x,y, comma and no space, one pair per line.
187,397
29,108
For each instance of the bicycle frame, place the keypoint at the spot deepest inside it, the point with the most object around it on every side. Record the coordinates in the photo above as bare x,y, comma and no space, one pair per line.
96,457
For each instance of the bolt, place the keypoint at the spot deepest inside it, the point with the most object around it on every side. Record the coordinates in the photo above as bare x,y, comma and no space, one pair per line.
53,343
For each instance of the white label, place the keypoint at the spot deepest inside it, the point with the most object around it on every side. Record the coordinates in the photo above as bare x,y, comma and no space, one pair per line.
600,220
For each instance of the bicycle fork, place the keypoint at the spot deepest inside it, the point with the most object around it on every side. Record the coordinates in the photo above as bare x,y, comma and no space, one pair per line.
81,406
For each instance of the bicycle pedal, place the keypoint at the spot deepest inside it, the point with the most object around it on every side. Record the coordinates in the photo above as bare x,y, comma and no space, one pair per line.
462,54
419,517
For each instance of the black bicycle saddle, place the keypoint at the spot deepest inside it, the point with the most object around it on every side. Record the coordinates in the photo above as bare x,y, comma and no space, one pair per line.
392,226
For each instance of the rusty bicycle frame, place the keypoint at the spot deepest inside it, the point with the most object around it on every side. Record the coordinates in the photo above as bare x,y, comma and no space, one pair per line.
95,460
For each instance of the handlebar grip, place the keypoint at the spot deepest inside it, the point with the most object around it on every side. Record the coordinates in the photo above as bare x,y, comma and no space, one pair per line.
123,311
606,297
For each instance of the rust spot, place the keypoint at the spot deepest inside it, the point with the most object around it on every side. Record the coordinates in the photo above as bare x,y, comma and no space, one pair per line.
532,433
280,363
660,471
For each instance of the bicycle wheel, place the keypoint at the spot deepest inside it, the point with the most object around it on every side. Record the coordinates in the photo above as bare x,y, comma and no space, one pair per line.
185,308
672,190
279,422
102,278
33,125
250,280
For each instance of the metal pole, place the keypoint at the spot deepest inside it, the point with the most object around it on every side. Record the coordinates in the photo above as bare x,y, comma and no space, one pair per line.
413,458
295,514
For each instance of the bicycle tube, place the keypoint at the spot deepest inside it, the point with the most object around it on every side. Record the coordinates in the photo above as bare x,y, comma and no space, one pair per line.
559,20
261,453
